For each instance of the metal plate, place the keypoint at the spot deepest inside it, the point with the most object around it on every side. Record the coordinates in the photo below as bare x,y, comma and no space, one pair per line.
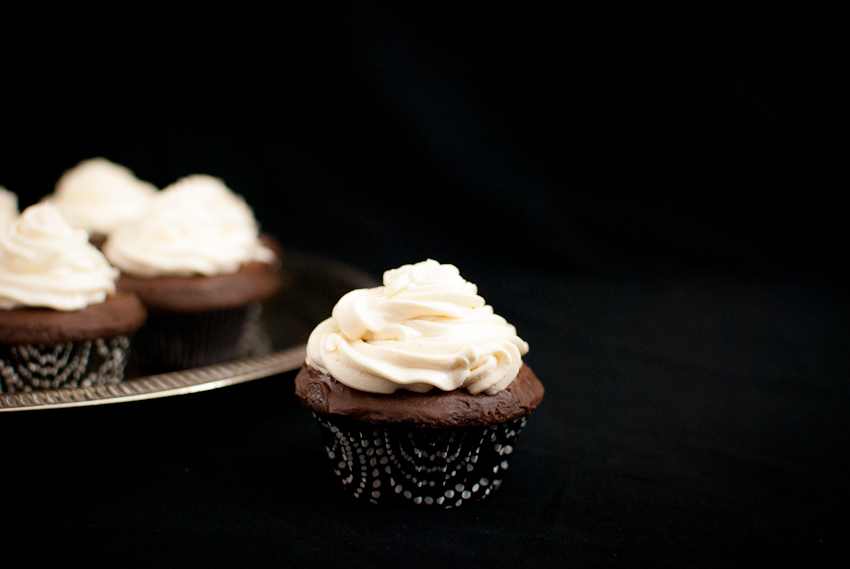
311,288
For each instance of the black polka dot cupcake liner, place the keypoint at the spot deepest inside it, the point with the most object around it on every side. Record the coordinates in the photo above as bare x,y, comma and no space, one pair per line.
419,467
29,367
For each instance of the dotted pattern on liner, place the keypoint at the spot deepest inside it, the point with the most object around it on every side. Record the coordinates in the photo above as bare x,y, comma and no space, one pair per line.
417,466
30,367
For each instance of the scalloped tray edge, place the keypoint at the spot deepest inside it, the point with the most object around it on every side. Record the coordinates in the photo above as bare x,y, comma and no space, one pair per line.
164,385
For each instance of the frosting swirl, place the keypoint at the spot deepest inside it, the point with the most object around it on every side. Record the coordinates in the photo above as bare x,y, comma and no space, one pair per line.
426,327
44,262
194,226
8,206
98,195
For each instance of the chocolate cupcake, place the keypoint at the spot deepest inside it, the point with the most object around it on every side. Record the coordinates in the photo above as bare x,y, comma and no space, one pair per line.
196,262
419,389
62,324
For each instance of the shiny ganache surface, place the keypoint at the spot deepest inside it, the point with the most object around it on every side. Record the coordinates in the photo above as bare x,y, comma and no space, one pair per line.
118,314
324,395
252,282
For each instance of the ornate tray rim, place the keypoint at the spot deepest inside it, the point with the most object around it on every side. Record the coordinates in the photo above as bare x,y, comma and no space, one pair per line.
163,385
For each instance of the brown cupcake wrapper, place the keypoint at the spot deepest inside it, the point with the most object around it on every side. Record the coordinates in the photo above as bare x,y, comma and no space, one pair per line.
402,465
30,367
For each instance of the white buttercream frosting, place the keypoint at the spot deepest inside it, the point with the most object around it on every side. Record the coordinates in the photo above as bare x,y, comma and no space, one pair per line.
98,195
8,206
44,262
194,226
426,327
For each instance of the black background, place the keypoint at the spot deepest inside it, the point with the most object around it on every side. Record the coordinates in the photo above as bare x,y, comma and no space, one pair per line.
649,192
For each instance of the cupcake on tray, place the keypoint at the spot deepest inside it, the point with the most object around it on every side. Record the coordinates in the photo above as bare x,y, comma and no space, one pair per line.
419,389
196,261
99,196
62,323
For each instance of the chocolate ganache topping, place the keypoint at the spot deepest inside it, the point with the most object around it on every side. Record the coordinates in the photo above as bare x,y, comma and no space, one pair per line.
324,395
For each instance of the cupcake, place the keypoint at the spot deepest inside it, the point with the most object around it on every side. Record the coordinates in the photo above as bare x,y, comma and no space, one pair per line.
62,323
197,263
419,389
99,196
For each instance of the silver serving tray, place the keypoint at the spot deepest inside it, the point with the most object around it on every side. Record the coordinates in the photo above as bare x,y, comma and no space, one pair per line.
312,286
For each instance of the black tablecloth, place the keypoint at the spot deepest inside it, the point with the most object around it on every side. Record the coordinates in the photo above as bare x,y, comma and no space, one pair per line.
646,192
688,420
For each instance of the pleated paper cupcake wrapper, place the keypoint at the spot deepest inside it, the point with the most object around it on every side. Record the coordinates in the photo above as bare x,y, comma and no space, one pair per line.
28,367
171,341
410,466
